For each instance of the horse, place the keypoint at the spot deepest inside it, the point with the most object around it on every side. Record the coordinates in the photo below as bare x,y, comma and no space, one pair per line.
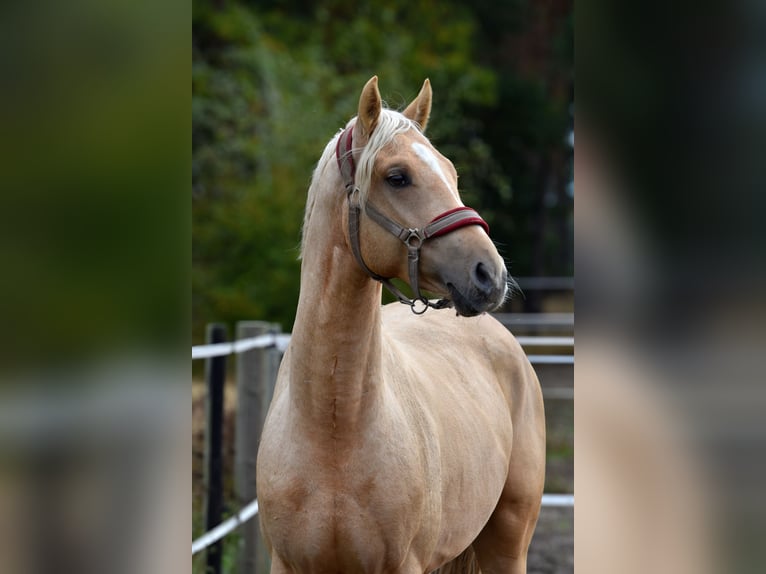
399,441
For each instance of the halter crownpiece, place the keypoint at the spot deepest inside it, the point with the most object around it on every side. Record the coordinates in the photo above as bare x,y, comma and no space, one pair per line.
413,238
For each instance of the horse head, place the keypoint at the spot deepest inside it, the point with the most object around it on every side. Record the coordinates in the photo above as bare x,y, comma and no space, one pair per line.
406,218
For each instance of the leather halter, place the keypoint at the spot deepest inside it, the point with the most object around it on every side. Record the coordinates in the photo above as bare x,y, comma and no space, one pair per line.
413,238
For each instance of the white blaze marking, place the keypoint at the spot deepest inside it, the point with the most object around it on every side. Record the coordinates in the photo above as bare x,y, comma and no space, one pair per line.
428,156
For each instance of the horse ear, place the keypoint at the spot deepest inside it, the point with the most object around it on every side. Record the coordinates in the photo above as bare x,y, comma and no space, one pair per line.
420,108
369,106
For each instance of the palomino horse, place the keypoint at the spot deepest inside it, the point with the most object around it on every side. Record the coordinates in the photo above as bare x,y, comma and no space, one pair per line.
397,442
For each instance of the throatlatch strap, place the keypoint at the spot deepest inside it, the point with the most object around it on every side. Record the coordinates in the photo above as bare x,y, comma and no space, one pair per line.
345,156
354,209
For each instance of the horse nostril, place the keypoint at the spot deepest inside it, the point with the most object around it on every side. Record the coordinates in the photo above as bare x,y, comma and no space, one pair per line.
483,278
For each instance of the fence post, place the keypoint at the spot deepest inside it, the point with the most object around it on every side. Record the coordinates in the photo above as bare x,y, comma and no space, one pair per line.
256,375
215,375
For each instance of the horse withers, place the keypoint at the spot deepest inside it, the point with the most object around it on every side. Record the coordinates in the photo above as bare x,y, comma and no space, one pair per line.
399,440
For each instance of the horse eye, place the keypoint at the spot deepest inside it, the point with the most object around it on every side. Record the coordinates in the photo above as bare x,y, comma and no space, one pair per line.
398,180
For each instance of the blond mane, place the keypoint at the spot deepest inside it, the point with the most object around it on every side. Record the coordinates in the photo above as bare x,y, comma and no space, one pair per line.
390,124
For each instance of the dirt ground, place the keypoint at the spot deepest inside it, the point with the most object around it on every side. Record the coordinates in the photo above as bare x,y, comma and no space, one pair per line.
552,548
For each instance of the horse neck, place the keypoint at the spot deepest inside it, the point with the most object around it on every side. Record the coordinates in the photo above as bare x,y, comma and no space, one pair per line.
335,354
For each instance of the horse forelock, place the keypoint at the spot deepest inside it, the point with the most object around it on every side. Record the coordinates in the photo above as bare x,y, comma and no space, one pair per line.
390,124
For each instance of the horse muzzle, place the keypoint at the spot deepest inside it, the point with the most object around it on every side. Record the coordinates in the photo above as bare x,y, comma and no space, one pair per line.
483,290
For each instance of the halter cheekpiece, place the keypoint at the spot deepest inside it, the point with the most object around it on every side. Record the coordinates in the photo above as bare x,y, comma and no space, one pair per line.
413,238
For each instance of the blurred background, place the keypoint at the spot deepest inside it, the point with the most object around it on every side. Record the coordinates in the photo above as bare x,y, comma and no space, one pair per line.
272,82
671,276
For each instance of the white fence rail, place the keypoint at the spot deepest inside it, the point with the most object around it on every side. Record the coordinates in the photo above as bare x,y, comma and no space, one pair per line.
565,500
281,340
278,340
542,341
214,535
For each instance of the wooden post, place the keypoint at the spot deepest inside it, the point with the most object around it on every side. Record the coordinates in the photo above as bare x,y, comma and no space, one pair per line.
256,376
215,375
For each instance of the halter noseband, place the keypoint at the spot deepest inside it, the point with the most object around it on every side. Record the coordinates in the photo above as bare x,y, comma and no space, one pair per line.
413,238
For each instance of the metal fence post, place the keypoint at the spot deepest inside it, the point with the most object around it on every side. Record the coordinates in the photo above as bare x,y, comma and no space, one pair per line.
215,375
256,375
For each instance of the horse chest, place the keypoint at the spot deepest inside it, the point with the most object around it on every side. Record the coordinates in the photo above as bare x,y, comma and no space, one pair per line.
345,511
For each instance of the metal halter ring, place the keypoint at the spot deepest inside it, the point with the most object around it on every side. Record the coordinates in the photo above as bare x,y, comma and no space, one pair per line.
414,235
421,300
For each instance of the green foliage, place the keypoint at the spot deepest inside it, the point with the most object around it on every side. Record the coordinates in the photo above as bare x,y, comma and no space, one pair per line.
273,81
